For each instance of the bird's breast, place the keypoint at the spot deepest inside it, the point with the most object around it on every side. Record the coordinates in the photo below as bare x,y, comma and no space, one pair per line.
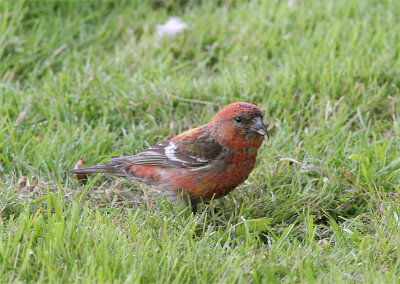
236,168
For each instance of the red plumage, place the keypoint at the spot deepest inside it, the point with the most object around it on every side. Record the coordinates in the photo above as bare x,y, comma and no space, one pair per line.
200,164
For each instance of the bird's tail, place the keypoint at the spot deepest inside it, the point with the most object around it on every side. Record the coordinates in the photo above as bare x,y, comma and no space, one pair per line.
113,169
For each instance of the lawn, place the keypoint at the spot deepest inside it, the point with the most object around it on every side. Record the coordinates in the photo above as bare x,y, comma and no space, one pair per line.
94,80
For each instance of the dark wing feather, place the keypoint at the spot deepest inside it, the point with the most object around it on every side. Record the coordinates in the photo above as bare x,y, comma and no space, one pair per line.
185,153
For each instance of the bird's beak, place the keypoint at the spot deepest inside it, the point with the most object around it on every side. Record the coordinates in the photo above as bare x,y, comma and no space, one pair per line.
259,127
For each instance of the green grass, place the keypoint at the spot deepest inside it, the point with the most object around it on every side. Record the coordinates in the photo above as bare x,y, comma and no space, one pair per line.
322,204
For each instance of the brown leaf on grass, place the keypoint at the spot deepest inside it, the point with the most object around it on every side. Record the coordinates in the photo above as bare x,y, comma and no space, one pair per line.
34,183
21,117
39,137
80,164
22,182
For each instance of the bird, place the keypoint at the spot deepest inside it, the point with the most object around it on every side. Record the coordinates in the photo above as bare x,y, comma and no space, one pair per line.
200,164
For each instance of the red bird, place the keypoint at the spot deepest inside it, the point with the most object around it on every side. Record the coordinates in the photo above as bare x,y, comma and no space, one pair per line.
200,164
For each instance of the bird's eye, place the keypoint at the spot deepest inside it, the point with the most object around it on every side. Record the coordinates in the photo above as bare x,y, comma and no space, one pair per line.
238,119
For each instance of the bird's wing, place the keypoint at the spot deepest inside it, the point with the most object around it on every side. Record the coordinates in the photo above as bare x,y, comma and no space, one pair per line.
193,149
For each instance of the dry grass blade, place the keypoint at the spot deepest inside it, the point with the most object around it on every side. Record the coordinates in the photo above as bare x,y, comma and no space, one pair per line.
21,117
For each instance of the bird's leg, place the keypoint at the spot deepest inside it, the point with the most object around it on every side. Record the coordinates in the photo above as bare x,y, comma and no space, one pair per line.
183,198
193,205
215,209
146,197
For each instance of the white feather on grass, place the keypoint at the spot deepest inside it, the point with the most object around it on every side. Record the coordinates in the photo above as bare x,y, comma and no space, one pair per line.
172,27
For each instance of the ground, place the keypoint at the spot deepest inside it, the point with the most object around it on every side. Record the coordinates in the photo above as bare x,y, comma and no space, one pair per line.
94,79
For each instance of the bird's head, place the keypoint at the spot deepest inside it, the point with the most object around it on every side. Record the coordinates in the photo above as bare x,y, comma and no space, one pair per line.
240,124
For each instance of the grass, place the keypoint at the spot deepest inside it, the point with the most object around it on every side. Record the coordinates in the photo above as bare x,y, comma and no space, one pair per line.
92,79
